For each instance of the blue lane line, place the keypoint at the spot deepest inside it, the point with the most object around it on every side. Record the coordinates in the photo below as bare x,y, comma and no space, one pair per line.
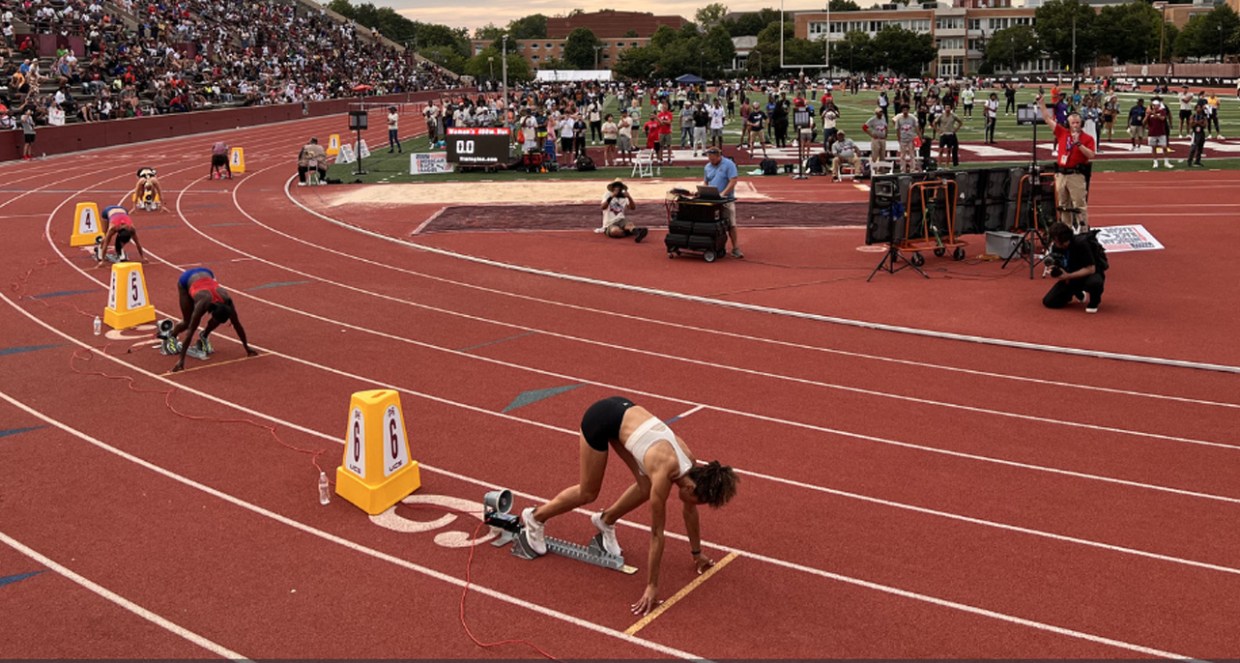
163,227
62,293
8,580
278,284
498,340
225,225
25,348
18,431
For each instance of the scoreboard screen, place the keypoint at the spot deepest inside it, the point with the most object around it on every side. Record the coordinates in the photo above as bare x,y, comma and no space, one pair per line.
478,146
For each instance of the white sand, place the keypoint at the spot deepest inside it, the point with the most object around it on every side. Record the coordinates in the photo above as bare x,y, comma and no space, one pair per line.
506,193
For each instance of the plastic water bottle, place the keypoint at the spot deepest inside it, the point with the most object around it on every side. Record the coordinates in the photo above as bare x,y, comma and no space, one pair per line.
98,326
325,493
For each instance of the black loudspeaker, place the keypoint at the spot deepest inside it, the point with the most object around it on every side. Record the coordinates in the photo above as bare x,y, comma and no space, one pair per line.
357,120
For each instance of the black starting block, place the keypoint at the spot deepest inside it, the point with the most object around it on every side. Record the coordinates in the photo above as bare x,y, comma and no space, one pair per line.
171,346
496,506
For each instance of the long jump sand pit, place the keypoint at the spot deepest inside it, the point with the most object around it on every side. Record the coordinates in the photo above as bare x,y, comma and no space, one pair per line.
571,205
523,192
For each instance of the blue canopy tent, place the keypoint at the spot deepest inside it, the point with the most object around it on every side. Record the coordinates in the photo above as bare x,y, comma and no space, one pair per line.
690,79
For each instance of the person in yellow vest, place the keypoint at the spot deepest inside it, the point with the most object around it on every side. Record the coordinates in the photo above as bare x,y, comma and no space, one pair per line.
1212,102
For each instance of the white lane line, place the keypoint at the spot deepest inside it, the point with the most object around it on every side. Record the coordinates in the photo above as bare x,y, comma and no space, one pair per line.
109,595
886,589
705,330
658,355
351,545
877,326
570,432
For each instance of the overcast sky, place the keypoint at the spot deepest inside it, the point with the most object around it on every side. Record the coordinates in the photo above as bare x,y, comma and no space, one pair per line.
476,13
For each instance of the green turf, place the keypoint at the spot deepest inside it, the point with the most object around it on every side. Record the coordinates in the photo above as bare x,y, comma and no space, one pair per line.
384,168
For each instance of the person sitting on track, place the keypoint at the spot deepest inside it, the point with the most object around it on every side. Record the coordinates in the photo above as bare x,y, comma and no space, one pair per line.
660,462
147,193
615,204
200,294
219,161
119,229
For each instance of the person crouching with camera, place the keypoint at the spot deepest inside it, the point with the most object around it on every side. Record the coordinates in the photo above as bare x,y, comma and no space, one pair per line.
1075,149
616,202
1077,266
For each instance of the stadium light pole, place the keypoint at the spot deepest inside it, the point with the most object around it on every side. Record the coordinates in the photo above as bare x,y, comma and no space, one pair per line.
503,61
596,50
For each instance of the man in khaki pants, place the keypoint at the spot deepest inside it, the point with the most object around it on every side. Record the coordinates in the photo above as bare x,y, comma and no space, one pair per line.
1075,150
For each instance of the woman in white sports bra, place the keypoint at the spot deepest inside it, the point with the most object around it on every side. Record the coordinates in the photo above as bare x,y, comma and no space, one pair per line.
661,464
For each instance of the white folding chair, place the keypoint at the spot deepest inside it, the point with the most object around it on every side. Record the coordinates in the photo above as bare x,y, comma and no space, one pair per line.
643,164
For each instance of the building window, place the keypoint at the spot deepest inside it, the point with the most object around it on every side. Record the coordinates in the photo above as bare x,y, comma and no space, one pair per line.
975,24
550,45
534,46
533,57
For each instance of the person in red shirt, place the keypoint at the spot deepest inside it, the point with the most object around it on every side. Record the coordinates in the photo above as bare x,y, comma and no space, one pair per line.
665,119
654,136
1158,123
201,294
1075,149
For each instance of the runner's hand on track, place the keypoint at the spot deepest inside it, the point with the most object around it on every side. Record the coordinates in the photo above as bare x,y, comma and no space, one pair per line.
648,601
702,562
180,366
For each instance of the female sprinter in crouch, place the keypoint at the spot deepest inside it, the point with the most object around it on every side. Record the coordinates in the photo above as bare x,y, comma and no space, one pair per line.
201,294
660,462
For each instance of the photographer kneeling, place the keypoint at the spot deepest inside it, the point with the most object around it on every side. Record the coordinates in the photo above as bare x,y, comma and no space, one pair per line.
1078,264
615,204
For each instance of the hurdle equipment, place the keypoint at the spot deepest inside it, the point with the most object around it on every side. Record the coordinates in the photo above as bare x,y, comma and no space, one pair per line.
333,145
378,470
236,160
86,226
133,307
495,512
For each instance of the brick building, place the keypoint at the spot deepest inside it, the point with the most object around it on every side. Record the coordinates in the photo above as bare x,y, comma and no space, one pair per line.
614,29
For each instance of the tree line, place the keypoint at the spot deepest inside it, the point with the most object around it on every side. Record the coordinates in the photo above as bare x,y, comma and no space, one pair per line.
1067,31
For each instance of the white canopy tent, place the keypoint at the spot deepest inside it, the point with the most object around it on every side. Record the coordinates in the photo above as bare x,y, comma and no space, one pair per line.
568,75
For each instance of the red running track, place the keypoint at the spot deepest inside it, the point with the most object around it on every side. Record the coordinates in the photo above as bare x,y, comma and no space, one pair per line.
903,495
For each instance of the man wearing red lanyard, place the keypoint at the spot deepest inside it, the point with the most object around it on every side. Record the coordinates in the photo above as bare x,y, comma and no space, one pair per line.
1075,150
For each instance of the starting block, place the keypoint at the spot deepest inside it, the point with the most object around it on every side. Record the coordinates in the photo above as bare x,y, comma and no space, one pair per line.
172,347
101,253
496,505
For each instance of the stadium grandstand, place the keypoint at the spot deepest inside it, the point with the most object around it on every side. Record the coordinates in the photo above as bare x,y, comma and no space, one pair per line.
87,60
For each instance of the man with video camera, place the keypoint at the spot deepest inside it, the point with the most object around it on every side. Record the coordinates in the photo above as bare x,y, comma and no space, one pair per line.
1078,264
1075,149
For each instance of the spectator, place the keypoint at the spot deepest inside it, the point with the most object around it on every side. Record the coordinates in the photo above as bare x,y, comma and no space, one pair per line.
28,135
393,123
722,174
845,151
312,157
946,126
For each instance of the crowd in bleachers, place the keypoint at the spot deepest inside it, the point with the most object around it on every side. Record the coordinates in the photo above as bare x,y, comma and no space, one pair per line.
144,57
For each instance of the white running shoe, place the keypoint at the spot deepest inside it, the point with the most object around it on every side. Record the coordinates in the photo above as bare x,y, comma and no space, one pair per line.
610,543
1166,163
1155,163
534,533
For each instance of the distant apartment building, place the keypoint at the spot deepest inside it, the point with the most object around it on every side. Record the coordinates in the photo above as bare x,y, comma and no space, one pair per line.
616,31
960,30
